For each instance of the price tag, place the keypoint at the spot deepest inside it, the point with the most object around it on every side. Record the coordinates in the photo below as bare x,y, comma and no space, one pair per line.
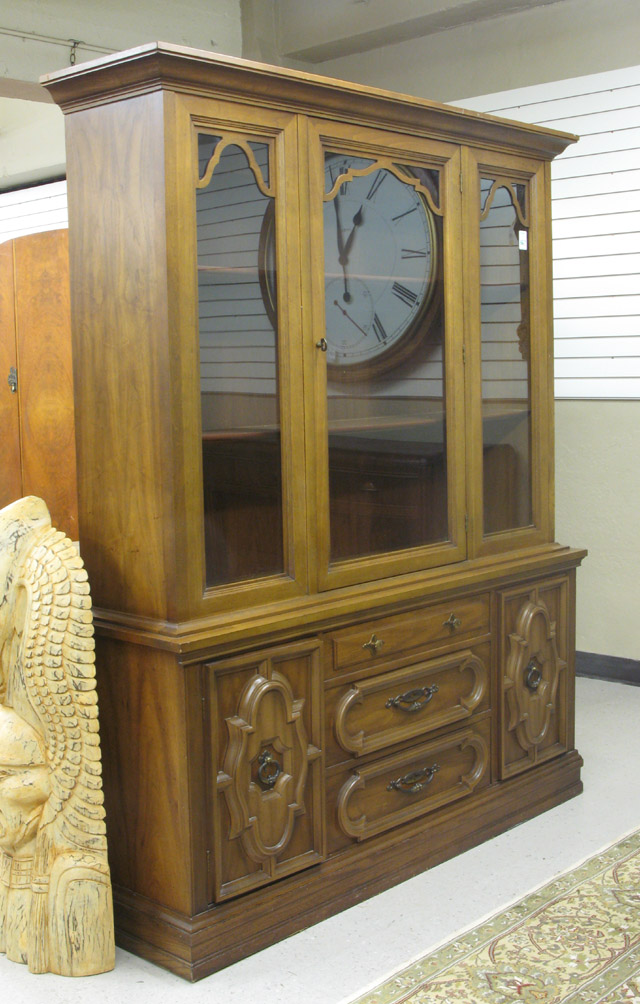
523,240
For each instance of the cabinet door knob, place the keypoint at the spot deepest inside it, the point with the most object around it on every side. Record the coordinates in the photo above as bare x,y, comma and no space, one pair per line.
532,677
322,345
269,770
12,379
374,644
452,622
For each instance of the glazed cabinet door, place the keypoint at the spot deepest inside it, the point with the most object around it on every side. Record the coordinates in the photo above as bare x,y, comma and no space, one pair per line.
266,719
509,351
239,305
537,674
385,443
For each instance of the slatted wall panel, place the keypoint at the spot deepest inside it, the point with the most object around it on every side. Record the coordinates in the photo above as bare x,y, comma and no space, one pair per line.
596,226
31,210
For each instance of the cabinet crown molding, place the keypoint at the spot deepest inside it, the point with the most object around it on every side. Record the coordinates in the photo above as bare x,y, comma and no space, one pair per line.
164,66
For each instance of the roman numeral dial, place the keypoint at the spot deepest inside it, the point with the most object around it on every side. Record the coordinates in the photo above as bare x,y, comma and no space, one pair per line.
381,261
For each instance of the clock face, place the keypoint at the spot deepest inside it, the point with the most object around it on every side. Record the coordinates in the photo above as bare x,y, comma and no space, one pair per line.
380,268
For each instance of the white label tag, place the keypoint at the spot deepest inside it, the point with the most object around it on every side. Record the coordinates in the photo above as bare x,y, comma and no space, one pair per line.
523,240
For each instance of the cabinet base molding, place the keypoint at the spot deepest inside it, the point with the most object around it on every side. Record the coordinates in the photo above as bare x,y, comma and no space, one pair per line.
195,947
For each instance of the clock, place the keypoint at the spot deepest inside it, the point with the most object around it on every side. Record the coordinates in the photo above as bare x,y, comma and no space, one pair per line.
381,265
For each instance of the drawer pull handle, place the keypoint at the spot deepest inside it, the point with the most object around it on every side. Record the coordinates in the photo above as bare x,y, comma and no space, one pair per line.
414,781
269,770
452,622
532,677
413,700
374,644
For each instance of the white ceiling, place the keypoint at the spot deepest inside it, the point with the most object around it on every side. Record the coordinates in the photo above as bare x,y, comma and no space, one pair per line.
313,33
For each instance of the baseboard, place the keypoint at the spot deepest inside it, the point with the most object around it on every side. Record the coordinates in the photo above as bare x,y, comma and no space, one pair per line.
608,667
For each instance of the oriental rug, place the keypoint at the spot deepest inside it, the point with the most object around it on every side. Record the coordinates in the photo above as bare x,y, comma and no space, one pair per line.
574,941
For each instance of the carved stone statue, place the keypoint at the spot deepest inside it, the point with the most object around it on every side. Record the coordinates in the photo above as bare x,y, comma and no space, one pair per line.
56,911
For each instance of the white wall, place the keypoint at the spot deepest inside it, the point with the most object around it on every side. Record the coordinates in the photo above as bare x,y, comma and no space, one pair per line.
31,210
596,226
597,499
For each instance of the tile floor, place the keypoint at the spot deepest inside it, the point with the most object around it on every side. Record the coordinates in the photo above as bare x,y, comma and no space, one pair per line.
341,957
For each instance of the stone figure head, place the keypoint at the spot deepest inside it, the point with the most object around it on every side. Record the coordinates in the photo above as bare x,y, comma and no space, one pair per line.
55,892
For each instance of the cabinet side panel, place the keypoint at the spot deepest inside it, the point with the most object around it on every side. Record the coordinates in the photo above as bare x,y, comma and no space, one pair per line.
10,473
43,338
121,367
143,725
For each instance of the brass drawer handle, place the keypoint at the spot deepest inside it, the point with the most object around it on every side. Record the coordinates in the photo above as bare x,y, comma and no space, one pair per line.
414,781
413,700
269,770
452,622
374,644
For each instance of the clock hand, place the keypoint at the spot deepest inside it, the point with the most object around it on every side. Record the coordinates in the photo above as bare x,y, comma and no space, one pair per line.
357,222
341,255
338,230
349,317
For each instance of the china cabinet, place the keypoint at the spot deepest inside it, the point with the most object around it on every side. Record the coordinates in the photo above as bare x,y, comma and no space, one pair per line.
313,368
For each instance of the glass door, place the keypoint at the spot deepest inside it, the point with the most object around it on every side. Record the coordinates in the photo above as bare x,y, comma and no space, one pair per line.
390,460
240,394
245,430
510,332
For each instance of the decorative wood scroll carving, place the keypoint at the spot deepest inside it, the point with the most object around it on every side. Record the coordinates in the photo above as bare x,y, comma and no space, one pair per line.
452,689
265,768
55,889
369,802
532,677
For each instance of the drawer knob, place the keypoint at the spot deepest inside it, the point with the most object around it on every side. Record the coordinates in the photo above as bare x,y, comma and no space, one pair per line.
374,644
413,700
414,781
452,622
269,770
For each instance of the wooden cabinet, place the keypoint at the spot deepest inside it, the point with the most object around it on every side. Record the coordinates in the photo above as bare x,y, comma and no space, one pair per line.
312,353
37,446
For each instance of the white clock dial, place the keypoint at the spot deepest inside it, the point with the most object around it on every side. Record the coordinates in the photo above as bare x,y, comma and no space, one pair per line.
380,263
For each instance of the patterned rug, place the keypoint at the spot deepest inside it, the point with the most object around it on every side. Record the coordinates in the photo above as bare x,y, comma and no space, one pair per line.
575,941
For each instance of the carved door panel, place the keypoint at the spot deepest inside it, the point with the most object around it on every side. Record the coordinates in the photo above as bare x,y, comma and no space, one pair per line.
537,674
268,817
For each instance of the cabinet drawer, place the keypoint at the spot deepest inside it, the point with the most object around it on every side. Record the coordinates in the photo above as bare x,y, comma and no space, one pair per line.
396,789
405,704
372,642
